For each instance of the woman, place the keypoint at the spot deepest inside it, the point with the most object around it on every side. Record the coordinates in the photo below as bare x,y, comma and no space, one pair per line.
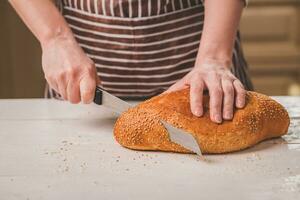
139,48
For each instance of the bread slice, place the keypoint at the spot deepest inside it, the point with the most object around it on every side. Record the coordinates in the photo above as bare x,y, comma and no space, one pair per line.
140,128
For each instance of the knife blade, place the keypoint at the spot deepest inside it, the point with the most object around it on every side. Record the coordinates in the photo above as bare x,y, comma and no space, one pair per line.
106,99
182,138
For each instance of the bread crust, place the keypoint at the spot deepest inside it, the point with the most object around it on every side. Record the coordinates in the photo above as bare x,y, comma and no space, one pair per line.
140,128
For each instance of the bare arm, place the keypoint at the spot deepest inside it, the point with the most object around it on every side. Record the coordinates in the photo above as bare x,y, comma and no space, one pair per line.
212,67
42,18
220,27
67,69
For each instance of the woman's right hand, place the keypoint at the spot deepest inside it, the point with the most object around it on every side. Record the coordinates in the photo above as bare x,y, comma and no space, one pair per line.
68,70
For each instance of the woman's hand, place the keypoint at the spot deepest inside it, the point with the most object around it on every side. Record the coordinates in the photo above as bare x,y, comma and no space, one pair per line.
68,70
225,90
211,70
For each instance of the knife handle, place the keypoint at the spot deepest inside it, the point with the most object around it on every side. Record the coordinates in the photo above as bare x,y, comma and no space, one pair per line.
98,96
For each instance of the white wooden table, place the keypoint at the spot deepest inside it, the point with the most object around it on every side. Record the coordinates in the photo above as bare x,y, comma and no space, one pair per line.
54,150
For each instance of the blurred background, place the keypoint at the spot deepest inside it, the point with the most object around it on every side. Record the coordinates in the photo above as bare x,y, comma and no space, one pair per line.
271,39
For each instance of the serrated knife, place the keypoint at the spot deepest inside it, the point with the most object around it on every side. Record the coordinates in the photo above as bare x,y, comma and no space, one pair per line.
118,105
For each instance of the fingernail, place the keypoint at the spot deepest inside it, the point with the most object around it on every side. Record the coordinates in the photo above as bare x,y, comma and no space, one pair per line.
198,112
228,116
218,119
87,101
240,104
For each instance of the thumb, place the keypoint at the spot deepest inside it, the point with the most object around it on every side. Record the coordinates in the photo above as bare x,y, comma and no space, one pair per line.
87,89
181,84
98,81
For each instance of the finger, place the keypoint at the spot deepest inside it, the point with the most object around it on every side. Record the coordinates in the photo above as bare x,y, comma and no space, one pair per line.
55,91
52,84
98,81
73,91
196,97
87,89
240,94
228,99
176,86
62,87
93,71
216,97
181,84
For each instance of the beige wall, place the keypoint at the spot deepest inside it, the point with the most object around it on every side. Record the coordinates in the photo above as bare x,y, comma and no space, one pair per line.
270,33
271,39
20,65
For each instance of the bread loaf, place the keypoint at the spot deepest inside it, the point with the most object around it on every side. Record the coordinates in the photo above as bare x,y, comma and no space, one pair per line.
140,128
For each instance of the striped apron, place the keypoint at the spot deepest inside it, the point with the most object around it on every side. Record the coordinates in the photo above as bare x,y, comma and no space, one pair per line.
141,47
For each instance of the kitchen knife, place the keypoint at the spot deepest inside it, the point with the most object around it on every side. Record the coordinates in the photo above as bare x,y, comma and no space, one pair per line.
177,135
183,138
106,99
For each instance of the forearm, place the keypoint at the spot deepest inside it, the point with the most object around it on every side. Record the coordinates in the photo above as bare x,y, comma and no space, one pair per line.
42,18
219,31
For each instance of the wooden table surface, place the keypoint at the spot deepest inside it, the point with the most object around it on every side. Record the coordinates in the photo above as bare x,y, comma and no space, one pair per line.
54,150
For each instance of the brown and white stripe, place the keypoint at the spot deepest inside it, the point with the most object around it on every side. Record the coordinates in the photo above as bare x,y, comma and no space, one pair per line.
141,47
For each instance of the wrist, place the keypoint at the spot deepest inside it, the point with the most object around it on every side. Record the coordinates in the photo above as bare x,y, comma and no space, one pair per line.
57,34
217,52
212,61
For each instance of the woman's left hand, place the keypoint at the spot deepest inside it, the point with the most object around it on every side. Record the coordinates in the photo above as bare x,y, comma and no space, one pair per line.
225,90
